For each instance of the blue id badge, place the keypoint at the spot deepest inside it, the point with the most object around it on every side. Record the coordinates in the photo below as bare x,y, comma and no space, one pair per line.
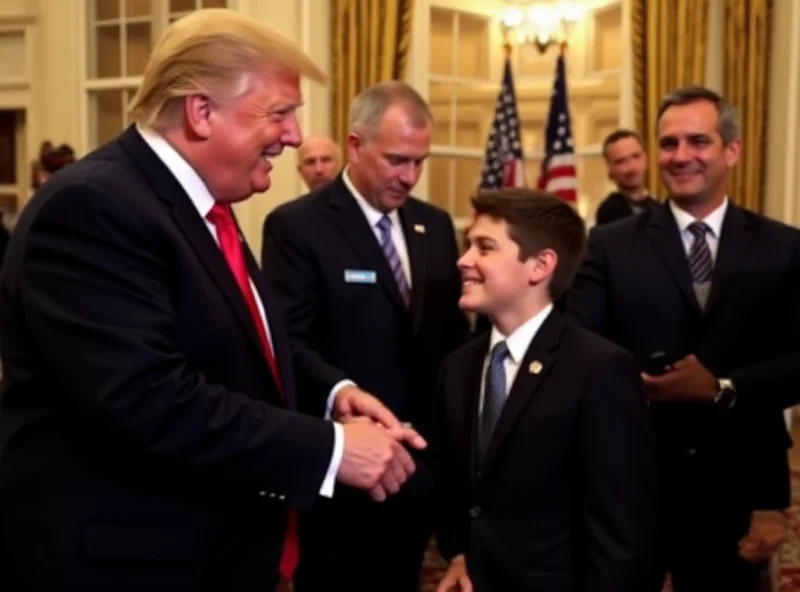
360,276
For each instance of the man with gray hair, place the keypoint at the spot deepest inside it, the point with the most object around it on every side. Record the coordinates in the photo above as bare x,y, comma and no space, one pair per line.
704,294
149,438
366,277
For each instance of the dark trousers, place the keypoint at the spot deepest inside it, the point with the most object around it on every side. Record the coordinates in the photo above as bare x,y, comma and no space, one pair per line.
701,524
352,544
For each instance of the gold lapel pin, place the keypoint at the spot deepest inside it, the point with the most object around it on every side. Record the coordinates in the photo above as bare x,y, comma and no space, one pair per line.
419,229
535,367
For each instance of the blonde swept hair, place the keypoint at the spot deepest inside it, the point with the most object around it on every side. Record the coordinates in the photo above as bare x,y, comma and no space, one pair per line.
212,51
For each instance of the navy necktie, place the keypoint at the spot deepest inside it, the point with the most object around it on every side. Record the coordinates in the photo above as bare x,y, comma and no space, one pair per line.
387,244
494,397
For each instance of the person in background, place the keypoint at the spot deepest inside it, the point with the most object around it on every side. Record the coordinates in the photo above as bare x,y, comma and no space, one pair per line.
149,438
51,159
318,161
625,157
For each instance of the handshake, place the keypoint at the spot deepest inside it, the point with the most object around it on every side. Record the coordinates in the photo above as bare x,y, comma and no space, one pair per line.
374,458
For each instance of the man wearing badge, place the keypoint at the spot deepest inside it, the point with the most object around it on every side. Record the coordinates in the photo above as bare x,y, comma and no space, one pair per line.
367,279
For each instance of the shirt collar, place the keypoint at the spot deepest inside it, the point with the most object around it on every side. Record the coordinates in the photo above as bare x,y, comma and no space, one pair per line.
183,172
520,340
714,219
372,213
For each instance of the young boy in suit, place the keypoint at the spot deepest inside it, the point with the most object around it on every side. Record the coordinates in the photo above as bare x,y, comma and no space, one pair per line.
545,459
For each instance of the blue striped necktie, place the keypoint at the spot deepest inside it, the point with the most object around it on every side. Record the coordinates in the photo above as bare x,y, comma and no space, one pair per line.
494,397
387,244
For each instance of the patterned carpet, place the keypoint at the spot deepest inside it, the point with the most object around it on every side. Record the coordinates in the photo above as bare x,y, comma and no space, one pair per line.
432,570
789,554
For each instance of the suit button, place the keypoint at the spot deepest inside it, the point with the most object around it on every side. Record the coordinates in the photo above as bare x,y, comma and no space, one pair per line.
474,511
690,451
262,493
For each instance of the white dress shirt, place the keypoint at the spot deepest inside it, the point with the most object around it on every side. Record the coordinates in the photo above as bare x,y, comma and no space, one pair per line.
518,343
198,193
714,221
373,216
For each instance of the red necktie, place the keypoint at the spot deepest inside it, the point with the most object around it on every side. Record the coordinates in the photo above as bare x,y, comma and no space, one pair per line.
228,235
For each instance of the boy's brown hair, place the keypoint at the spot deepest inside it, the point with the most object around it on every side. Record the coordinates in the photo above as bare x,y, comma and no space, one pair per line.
538,220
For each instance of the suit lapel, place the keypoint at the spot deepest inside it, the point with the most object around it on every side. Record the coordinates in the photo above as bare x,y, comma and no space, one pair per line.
473,379
666,239
279,338
533,371
414,231
734,242
192,226
356,230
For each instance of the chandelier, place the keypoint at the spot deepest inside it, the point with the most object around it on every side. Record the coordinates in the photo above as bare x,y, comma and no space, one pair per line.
541,24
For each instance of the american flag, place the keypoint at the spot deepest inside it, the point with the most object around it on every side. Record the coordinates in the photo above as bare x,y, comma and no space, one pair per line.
502,164
558,173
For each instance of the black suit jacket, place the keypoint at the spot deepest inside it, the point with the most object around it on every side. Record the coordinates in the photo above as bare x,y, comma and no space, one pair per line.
635,288
566,496
143,442
363,331
617,206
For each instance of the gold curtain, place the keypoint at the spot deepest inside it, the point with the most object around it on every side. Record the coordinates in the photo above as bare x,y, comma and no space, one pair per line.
371,40
747,48
669,51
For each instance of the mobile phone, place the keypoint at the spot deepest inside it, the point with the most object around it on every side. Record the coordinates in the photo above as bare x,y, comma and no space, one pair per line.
658,363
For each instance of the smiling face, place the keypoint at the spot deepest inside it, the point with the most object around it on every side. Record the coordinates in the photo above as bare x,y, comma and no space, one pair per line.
386,164
496,281
693,159
243,135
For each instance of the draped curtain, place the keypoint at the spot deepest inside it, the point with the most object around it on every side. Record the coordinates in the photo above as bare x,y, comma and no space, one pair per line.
747,49
669,51
371,40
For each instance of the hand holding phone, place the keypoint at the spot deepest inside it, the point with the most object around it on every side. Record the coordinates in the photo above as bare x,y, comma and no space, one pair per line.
658,363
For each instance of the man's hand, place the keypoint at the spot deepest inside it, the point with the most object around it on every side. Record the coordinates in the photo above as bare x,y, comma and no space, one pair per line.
456,579
390,482
373,459
352,402
687,380
768,530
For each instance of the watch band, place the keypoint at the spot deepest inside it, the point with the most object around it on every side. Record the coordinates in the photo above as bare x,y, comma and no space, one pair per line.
726,395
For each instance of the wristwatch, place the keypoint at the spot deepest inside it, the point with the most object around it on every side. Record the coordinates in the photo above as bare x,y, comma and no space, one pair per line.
726,395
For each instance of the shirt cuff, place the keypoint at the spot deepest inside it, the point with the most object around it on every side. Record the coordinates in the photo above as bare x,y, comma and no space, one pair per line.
332,397
336,459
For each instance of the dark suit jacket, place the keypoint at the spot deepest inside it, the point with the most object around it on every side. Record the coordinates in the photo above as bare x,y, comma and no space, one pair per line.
635,288
5,236
363,331
143,442
617,206
566,496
